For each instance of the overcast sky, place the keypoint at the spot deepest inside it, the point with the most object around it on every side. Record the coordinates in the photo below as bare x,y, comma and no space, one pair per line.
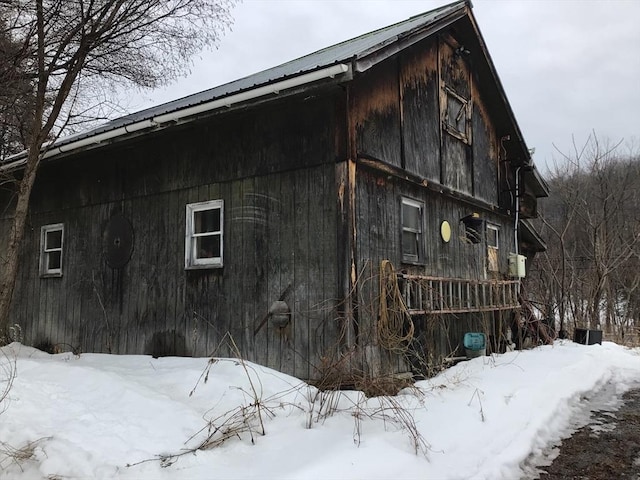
568,67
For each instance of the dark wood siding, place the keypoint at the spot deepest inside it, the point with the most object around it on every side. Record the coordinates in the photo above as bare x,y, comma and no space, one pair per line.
400,118
378,207
275,170
378,202
421,110
375,113
312,187
485,144
398,112
457,159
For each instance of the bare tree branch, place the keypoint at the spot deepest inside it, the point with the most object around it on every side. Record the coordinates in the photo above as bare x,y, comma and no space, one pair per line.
60,48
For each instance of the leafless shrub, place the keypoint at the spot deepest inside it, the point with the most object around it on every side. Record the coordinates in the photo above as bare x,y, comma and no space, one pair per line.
248,419
476,394
392,412
10,455
389,409
7,377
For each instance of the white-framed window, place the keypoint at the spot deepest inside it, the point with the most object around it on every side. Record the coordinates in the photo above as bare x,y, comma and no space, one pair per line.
412,215
493,236
204,235
51,248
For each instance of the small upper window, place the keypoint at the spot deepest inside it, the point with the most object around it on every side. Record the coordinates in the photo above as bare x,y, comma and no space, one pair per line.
51,243
457,116
204,231
412,221
493,236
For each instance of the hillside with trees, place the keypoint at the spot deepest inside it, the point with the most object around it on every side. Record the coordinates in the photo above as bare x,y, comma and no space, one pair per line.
589,277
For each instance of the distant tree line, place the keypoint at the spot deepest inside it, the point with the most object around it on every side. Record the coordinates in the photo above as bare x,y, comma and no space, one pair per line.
589,277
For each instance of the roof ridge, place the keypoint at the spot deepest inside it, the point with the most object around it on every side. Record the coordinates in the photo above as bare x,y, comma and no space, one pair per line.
330,47
381,29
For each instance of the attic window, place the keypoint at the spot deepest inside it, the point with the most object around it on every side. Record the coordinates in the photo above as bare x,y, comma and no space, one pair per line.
51,242
203,236
457,116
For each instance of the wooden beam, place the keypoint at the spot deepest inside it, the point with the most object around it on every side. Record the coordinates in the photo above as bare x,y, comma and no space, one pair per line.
380,166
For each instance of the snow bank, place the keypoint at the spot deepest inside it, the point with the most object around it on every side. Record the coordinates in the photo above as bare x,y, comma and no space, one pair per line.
91,416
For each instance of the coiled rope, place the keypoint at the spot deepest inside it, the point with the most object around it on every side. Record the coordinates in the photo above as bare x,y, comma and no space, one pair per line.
394,319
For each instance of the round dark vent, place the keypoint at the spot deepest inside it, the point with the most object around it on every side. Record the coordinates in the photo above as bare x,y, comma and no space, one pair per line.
118,241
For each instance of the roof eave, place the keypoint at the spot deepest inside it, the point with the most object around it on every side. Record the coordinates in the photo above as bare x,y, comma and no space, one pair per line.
93,139
536,182
379,53
528,233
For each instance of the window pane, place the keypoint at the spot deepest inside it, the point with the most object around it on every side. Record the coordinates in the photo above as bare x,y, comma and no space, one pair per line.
456,113
492,237
54,239
208,247
410,244
54,260
207,221
411,217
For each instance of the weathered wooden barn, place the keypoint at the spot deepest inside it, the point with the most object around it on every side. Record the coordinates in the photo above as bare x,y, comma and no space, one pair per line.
353,211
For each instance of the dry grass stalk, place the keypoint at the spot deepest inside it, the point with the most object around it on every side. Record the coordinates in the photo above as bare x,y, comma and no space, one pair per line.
18,455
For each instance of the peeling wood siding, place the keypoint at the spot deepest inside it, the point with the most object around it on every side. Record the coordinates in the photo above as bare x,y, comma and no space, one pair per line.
398,113
375,113
455,69
428,153
420,106
275,170
457,156
485,151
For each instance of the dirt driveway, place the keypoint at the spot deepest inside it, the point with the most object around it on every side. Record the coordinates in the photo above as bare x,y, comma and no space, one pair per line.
608,447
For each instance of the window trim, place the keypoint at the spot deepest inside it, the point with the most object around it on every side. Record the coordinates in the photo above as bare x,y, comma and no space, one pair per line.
451,128
495,228
45,271
191,261
406,258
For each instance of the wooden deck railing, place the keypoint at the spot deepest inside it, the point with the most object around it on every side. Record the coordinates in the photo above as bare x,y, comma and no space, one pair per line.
425,295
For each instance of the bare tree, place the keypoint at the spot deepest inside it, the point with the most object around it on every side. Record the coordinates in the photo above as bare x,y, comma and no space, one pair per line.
590,270
65,46
16,96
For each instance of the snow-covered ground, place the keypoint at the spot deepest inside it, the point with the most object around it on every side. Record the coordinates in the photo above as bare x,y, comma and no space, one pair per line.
135,417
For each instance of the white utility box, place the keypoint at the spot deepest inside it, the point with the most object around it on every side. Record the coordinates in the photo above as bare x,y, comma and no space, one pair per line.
517,265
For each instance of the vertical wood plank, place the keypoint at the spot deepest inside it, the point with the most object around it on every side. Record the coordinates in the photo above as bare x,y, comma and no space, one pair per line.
277,282
301,248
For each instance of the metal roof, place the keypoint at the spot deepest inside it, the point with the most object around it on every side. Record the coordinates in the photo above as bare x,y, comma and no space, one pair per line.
345,51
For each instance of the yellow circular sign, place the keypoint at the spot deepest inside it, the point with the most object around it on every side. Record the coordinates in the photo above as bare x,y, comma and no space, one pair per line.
445,231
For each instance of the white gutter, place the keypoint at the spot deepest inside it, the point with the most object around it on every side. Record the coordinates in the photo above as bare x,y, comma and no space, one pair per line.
255,93
274,88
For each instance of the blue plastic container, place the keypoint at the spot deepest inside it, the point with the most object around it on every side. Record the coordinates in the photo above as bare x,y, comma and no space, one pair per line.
475,344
